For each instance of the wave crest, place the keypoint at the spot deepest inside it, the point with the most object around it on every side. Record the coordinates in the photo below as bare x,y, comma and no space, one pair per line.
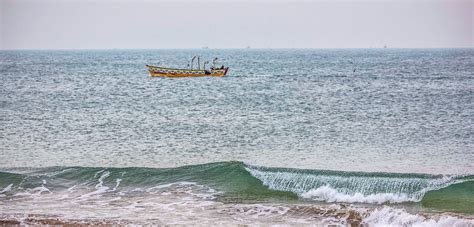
351,187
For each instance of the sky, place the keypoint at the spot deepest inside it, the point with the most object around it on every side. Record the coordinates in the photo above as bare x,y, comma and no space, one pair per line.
165,24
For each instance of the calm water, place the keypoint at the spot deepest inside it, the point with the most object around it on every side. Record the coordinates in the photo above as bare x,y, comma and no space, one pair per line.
404,112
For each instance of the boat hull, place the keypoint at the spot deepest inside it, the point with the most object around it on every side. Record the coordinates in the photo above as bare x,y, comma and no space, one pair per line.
156,71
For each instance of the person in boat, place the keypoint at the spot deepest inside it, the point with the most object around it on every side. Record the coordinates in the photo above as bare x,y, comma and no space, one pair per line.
213,68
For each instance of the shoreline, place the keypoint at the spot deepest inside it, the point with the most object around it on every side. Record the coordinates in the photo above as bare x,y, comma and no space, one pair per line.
266,214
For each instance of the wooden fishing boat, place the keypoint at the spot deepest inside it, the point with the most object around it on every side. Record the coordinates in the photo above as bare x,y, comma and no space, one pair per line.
156,71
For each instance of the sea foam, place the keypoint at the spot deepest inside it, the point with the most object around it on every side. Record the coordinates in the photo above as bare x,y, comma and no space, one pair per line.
388,216
328,194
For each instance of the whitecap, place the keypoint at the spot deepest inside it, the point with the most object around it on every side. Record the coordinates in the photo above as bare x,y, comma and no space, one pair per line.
388,216
6,189
328,194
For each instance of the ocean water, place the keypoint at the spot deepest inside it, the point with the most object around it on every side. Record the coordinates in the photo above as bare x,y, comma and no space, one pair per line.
316,136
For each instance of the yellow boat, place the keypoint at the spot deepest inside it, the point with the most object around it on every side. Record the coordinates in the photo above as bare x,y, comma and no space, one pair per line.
156,71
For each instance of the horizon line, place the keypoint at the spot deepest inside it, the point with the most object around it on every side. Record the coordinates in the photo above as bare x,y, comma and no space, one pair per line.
228,48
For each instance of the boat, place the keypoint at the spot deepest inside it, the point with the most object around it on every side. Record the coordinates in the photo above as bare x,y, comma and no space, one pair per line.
172,72
157,71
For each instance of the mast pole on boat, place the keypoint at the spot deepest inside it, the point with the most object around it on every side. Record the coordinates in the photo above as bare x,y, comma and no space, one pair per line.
192,62
199,63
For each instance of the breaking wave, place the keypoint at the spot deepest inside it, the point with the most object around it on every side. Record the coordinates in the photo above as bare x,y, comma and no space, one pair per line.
354,187
239,182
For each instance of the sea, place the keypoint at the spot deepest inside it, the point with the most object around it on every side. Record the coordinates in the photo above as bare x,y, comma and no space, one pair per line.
342,137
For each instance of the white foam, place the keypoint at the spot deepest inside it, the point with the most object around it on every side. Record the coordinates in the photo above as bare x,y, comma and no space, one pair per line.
100,188
256,211
117,183
328,194
96,192
34,192
162,186
265,210
72,189
7,188
101,179
388,216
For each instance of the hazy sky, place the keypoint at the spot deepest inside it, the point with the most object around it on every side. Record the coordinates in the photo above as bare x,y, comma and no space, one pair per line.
79,24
